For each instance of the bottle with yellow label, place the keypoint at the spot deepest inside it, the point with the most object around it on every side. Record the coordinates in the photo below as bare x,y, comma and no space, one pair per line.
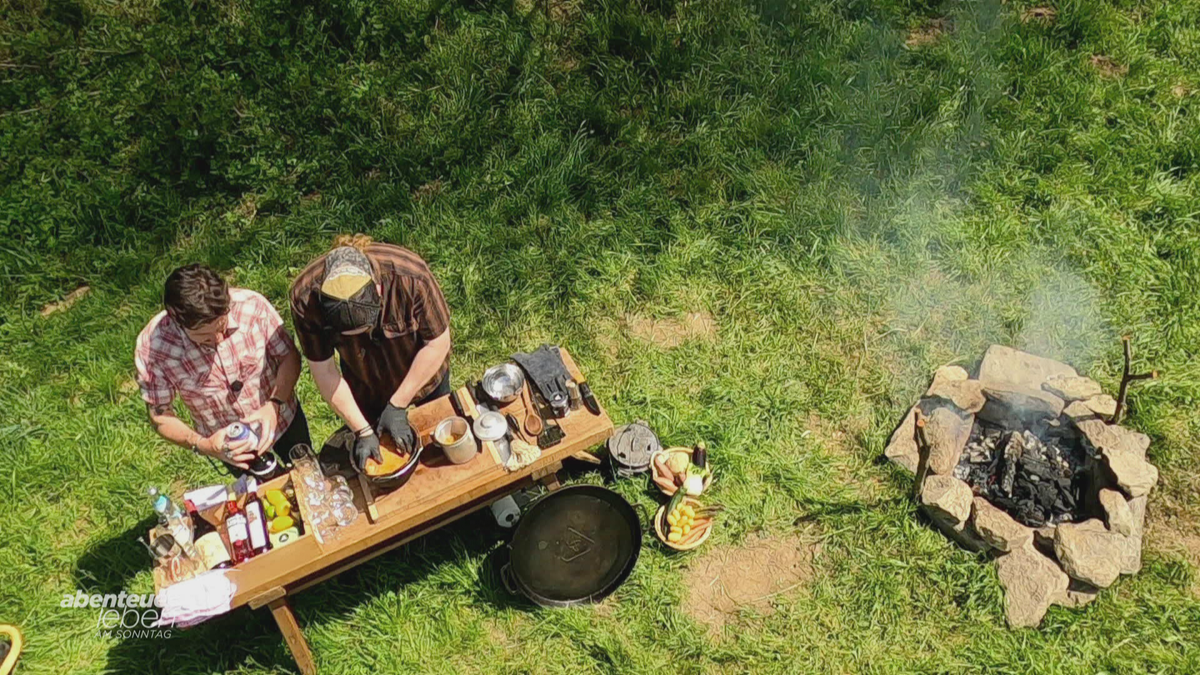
208,542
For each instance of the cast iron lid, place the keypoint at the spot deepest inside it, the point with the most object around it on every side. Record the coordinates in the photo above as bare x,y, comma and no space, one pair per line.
575,545
631,446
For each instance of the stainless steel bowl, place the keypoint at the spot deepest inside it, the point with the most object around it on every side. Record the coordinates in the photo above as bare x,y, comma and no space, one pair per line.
503,383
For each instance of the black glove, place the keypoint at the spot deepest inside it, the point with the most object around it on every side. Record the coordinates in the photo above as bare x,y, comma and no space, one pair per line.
366,447
394,423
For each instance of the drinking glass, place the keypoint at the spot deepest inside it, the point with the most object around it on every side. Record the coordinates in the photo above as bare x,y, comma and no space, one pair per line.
344,512
341,486
303,460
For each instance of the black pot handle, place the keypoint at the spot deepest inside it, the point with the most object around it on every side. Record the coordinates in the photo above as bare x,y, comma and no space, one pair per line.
507,580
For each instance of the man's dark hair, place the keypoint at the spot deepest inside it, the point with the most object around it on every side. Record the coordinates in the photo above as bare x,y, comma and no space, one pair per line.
195,295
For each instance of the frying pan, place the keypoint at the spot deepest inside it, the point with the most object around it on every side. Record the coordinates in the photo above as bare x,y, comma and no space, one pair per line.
573,546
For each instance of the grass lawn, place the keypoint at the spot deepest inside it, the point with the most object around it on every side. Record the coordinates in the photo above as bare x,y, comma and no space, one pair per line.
759,223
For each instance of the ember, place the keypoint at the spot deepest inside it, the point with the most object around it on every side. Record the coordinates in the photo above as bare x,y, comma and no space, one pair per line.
1036,480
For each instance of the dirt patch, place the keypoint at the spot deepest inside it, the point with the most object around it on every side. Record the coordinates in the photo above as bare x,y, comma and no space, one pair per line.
1039,14
608,340
1180,90
672,332
1107,67
730,580
506,632
428,191
837,439
248,207
563,11
65,304
606,608
928,34
1176,537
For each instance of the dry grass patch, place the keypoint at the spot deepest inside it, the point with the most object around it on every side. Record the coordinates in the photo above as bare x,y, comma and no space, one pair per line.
729,580
1180,90
928,34
505,633
1039,14
839,441
1177,537
671,332
562,11
428,191
65,304
1107,67
248,206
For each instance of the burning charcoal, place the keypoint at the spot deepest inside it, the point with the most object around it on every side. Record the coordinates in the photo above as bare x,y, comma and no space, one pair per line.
1037,475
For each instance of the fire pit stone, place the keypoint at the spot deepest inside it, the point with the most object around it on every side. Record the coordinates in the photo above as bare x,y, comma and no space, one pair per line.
902,446
1131,558
1123,450
951,390
1088,552
1078,594
1073,388
1102,405
947,499
1032,582
950,383
947,429
1017,407
1005,365
998,528
1024,462
1116,511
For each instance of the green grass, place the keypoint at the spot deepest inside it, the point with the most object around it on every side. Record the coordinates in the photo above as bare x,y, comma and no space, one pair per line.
852,213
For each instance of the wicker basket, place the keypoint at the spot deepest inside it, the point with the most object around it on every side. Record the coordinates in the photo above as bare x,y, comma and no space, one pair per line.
660,524
665,453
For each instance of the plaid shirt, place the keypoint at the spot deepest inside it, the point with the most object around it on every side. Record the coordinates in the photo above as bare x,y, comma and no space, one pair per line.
170,364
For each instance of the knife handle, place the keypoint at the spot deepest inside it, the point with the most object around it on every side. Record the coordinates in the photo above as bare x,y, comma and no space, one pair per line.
589,400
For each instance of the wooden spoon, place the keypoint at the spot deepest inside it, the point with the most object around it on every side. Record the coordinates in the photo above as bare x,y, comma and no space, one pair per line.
533,421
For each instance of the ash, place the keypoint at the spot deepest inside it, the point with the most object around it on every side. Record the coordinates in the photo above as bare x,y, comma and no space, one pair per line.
1038,480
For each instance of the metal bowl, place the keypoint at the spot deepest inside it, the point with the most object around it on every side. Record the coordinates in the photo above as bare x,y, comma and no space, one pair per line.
503,383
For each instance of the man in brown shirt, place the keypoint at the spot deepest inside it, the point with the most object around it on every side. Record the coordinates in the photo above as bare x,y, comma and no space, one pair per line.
379,307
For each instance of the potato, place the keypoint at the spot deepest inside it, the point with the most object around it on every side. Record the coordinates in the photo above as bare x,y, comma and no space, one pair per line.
674,537
678,462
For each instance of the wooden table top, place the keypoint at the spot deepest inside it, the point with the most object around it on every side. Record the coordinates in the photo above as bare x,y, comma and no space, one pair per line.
436,491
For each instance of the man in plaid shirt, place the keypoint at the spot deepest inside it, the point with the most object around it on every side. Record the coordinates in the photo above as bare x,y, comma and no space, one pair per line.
224,352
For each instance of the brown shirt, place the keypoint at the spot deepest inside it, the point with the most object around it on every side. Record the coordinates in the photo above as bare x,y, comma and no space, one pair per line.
375,362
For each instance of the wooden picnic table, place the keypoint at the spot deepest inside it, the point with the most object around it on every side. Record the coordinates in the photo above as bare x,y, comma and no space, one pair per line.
438,494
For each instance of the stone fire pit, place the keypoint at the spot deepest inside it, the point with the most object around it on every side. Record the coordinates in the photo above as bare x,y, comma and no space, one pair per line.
1021,461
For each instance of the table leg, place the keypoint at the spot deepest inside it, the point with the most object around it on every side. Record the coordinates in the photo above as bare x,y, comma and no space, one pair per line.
550,481
282,611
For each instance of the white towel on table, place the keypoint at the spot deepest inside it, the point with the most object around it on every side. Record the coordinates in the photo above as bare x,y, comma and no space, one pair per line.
194,600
